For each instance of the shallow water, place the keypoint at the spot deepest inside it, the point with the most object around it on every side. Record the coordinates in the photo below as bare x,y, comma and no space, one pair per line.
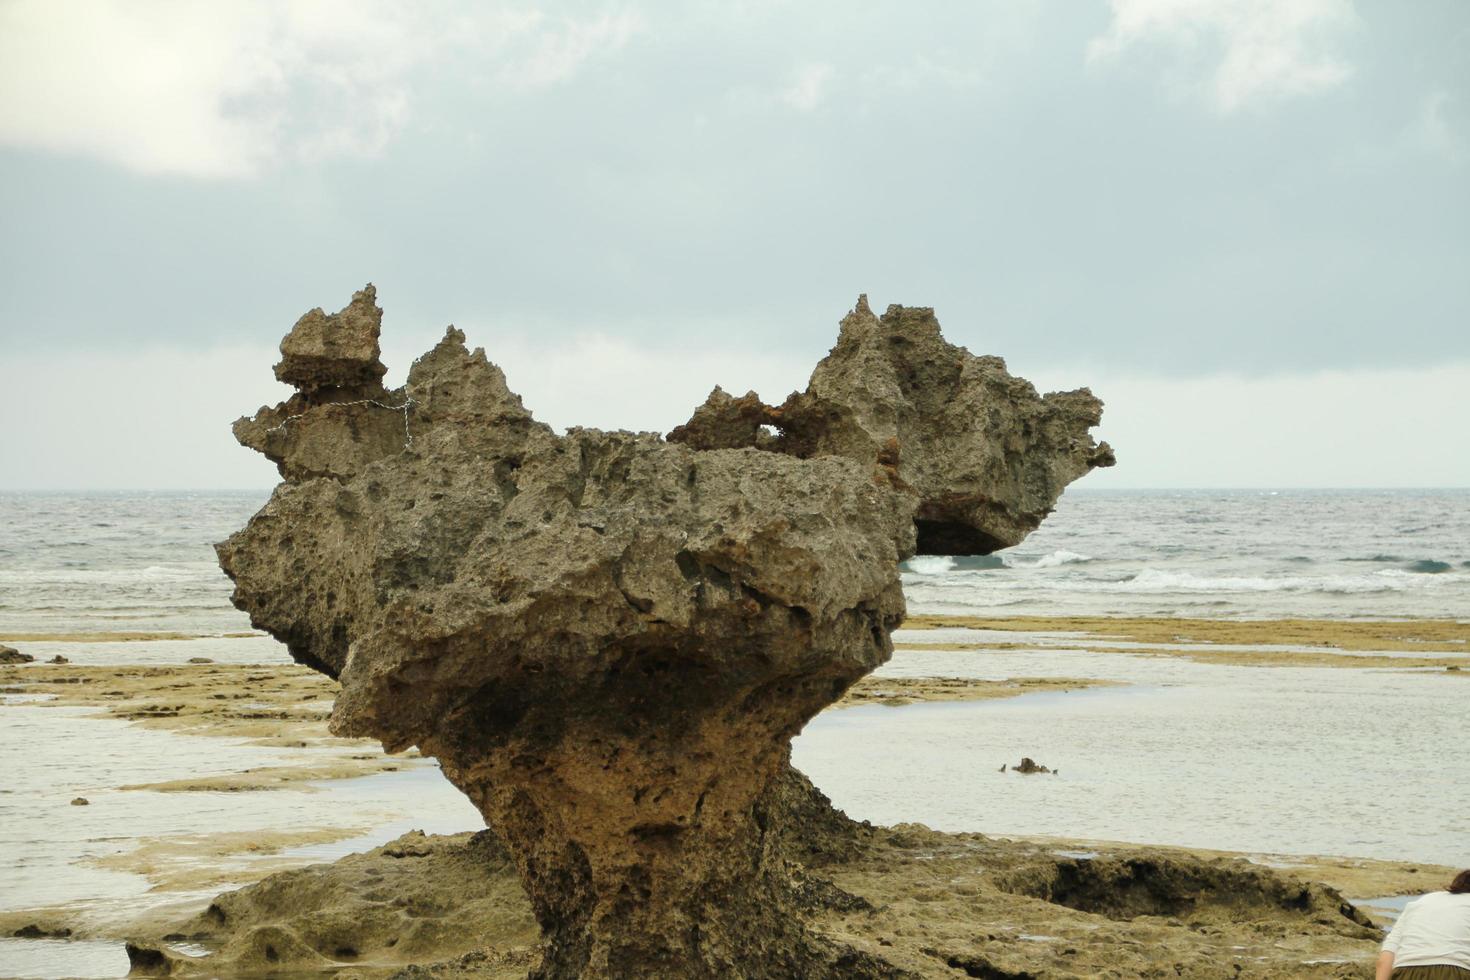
1282,759
48,847
257,649
50,959
1290,760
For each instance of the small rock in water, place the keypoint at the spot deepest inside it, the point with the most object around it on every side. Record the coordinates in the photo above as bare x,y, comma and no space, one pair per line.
1028,766
81,801
1453,667
58,659
10,655
200,660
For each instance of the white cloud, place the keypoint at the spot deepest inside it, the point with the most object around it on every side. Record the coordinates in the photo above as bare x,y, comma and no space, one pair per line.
1256,50
231,88
809,89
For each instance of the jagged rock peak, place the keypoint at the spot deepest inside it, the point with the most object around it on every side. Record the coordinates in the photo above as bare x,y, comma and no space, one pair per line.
985,454
335,350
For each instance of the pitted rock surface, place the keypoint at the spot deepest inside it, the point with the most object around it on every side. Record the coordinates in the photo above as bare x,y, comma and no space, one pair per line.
986,455
609,639
339,350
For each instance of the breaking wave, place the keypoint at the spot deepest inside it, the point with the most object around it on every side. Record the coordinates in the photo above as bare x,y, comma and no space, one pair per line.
928,565
940,564
1057,558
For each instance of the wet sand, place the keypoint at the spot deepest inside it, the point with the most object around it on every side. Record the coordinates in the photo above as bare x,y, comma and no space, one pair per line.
898,691
283,706
289,706
1440,644
1419,635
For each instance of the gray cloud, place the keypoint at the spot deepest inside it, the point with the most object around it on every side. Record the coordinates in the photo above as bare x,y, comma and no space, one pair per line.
735,174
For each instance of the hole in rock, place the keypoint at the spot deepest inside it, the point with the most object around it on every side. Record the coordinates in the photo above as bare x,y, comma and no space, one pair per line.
953,538
146,962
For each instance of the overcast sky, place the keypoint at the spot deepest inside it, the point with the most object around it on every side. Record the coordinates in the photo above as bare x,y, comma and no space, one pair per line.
1244,223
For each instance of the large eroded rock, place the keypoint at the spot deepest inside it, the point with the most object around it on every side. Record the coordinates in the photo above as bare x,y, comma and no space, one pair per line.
609,639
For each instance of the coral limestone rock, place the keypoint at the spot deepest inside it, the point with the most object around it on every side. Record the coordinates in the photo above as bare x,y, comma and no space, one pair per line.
986,455
339,350
10,655
609,639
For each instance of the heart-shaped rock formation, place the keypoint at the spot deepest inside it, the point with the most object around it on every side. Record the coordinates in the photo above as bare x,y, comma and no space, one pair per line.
609,639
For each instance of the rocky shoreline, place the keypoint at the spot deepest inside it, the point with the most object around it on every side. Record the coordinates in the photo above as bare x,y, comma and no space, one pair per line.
607,642
913,902
916,898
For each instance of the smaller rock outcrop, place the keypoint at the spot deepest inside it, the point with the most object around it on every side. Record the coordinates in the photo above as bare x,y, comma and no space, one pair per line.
1027,766
335,350
986,455
10,655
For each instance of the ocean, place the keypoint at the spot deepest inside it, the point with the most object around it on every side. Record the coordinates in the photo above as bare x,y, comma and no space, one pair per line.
119,562
127,562
1280,760
1326,554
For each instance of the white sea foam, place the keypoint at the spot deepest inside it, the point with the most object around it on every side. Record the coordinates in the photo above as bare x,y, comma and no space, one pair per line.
929,565
1062,557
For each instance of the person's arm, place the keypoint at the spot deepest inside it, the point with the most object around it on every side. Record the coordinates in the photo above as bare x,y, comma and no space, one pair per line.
1391,944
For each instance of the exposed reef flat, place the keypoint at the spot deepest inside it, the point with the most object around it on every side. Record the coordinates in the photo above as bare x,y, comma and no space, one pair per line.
897,691
930,904
283,706
1359,644
288,705
934,895
1421,635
